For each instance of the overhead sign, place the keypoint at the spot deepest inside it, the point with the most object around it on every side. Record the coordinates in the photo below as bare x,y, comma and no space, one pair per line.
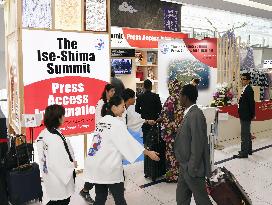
140,38
67,68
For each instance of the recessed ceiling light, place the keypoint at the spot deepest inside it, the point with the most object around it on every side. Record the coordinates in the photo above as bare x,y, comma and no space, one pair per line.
252,4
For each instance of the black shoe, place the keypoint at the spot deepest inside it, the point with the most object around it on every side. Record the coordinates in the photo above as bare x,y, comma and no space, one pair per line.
87,197
240,153
239,156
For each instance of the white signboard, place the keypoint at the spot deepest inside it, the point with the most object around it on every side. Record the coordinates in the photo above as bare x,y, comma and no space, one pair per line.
67,68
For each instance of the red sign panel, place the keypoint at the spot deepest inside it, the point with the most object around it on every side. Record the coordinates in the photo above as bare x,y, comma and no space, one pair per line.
204,50
263,110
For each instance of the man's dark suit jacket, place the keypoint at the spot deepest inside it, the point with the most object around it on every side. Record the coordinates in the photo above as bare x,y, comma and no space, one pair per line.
246,108
191,144
148,105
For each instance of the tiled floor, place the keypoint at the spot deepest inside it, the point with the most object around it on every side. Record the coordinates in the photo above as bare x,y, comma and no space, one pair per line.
254,174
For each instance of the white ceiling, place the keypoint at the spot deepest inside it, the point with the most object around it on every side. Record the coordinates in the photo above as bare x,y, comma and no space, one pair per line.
233,7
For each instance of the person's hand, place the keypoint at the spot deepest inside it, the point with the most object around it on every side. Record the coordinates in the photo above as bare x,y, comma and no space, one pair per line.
159,120
75,164
151,122
153,155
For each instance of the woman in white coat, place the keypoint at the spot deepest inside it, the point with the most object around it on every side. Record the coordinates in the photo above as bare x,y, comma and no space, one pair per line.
56,158
111,144
108,92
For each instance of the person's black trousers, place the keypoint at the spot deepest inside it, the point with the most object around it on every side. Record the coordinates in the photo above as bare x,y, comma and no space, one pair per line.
117,190
246,142
59,202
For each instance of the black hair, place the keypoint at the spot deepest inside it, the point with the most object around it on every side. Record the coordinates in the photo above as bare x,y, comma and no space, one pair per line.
247,75
112,72
108,87
52,115
191,92
127,94
106,109
148,84
196,80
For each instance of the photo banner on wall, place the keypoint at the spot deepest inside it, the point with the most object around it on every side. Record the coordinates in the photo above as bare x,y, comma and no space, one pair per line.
186,59
140,38
67,68
146,14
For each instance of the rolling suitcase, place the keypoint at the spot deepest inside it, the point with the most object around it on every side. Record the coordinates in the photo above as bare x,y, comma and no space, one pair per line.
226,190
154,142
24,182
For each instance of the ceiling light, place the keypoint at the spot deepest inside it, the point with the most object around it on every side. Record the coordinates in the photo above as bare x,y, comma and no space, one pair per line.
252,4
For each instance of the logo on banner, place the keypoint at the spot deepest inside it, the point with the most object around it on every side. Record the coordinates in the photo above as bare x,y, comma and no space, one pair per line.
100,44
165,49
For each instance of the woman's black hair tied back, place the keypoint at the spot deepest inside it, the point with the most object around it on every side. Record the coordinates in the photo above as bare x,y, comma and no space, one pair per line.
114,101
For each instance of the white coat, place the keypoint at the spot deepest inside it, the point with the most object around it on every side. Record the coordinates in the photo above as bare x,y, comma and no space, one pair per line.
98,109
111,144
133,119
56,167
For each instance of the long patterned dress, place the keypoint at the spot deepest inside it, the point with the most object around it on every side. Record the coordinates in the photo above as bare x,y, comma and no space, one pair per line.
172,115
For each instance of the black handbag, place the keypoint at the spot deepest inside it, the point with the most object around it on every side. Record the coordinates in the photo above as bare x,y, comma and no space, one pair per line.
18,154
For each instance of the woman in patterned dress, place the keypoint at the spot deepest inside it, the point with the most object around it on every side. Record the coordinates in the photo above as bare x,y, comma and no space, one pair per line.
171,117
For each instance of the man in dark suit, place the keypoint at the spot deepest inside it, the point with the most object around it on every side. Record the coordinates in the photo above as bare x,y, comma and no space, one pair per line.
149,106
192,151
246,110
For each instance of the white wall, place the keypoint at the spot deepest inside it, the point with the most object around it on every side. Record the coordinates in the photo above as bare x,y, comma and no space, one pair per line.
267,54
129,80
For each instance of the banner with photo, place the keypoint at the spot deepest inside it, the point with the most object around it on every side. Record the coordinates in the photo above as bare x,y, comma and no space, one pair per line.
185,59
146,14
67,68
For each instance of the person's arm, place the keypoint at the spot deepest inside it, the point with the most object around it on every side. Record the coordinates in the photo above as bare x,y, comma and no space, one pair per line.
138,105
129,147
251,103
71,150
98,109
158,104
198,128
